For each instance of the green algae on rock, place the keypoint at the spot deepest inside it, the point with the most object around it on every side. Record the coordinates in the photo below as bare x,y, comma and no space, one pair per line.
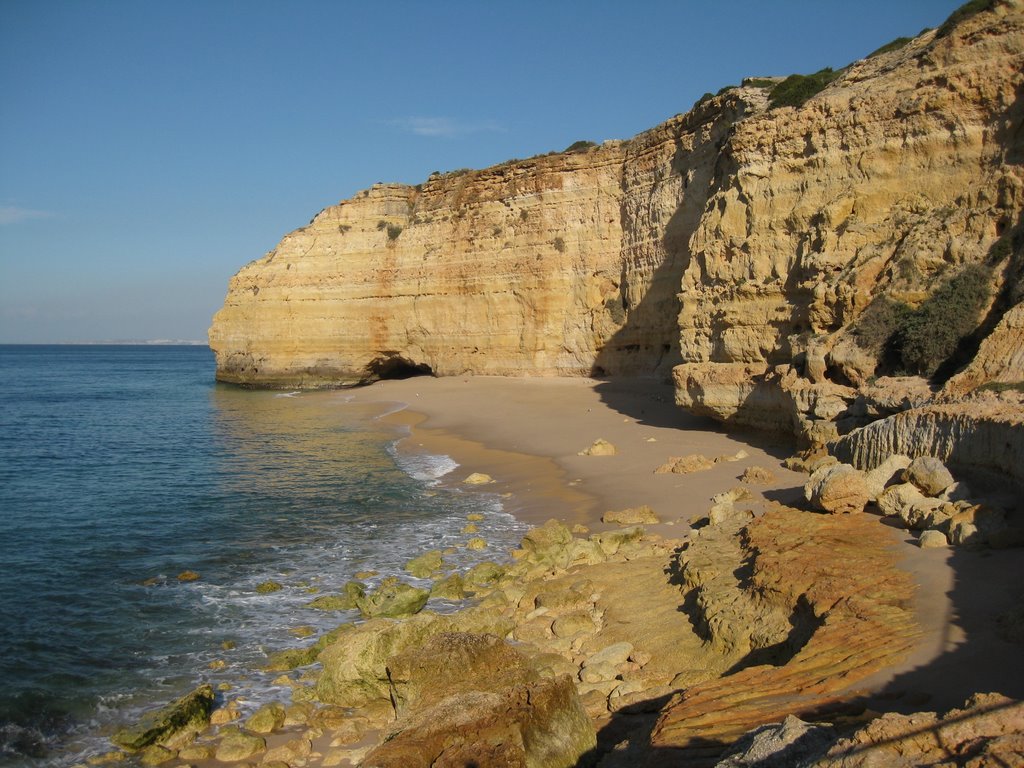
190,712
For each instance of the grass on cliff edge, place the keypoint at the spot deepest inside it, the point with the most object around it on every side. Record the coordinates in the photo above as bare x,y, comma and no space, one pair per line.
964,12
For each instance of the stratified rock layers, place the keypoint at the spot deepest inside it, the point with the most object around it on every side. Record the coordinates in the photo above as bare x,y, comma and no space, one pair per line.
736,246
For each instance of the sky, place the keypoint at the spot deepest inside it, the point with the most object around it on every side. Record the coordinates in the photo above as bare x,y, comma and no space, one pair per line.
148,150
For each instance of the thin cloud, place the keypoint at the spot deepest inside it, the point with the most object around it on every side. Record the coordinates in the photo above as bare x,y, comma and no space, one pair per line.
12,214
444,127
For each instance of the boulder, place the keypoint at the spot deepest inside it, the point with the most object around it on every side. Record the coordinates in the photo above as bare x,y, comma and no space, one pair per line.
540,724
189,713
393,599
548,544
425,565
895,500
478,478
238,745
839,488
267,719
476,543
632,516
928,474
354,665
931,539
451,663
266,587
888,472
452,587
791,742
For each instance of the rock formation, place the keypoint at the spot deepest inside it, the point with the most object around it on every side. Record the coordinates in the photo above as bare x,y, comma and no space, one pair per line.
769,256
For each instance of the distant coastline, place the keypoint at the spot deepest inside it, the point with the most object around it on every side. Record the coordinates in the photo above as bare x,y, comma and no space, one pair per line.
111,343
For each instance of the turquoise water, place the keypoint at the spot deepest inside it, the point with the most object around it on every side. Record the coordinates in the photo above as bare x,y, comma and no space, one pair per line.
121,467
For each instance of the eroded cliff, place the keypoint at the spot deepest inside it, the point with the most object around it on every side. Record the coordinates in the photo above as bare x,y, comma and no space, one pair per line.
775,259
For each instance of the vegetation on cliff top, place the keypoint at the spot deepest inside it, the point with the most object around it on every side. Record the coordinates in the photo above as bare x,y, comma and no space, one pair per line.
796,89
964,12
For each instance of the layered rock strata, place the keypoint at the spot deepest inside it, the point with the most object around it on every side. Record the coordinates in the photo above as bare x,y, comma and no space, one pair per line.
752,251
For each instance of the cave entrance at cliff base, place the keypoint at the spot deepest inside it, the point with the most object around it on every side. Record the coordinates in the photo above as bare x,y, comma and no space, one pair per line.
391,365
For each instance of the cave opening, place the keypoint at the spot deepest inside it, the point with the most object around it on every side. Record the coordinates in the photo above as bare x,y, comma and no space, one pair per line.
391,365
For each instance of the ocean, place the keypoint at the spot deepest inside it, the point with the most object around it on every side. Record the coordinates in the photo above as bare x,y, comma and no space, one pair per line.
122,467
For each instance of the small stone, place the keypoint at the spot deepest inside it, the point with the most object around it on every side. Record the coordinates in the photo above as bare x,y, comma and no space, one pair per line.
599,447
758,475
478,478
684,465
932,538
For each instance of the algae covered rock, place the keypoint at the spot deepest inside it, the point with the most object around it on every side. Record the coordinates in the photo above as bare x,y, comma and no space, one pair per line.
425,565
393,599
267,719
267,587
346,601
466,699
238,745
548,544
451,587
190,712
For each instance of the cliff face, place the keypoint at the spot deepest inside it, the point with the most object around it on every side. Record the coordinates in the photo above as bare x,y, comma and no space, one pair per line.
742,248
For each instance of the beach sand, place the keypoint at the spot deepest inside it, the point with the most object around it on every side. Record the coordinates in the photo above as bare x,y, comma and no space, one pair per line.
526,433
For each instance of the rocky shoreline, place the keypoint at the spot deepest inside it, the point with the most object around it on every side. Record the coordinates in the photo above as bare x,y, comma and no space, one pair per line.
625,647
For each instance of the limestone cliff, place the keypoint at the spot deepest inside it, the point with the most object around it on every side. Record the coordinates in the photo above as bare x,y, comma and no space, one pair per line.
769,256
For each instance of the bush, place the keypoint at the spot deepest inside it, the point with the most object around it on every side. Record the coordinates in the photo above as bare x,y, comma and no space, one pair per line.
760,82
394,230
580,146
559,245
930,336
876,328
963,13
796,89
895,45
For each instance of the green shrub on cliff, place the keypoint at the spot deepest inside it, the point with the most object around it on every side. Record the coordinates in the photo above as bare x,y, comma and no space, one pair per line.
580,146
894,45
930,336
963,13
796,89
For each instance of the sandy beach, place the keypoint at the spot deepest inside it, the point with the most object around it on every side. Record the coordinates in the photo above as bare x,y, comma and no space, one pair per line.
527,433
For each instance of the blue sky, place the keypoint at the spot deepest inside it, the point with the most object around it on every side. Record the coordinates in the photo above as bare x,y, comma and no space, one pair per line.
150,149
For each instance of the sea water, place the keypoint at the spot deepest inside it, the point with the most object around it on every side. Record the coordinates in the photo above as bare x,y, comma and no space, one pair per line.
123,467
